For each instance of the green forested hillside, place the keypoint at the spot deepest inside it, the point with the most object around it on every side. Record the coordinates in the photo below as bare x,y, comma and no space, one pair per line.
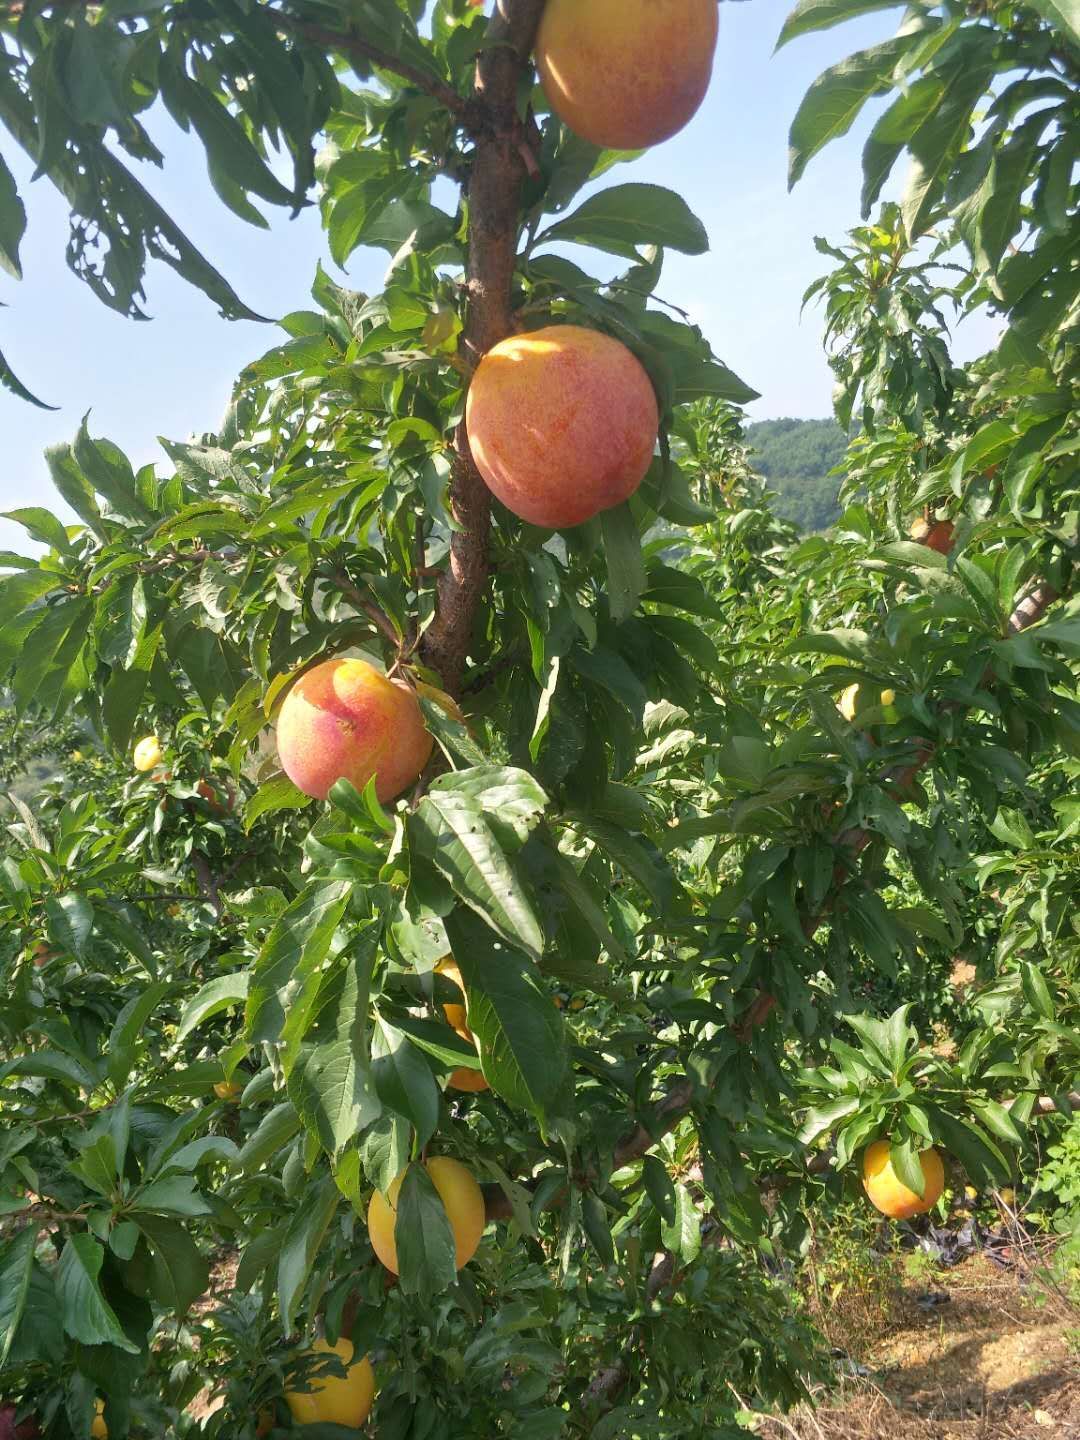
796,457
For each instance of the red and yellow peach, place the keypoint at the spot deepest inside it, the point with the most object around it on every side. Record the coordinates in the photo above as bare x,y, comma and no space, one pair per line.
626,74
345,720
562,424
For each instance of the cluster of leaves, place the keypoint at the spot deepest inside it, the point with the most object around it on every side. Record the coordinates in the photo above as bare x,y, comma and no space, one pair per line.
653,805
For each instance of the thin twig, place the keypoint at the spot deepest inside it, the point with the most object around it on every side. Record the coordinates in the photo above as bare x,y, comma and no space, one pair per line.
360,49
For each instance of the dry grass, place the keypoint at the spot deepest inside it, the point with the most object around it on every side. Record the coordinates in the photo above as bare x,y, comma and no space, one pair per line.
993,1364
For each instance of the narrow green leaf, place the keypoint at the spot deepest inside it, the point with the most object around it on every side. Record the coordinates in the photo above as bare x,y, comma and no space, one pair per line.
179,1272
625,561
284,976
835,99
660,1187
810,15
627,217
450,829
278,793
331,1083
304,1237
403,1079
520,1033
213,997
87,1316
16,1265
424,1237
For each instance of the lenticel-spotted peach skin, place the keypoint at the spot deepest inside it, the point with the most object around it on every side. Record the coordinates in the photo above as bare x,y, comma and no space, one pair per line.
626,74
344,720
562,424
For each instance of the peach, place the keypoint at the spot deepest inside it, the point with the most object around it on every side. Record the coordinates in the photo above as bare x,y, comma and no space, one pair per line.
463,1078
147,753
462,1199
626,74
467,1080
336,1399
888,1193
344,720
562,424
935,535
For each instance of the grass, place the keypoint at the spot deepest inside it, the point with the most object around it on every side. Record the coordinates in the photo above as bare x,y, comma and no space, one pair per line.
999,1361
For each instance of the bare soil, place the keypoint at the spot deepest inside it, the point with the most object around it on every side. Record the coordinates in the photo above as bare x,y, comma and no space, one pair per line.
997,1362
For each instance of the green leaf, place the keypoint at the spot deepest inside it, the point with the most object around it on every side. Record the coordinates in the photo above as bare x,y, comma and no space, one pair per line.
810,15
16,1266
71,921
275,1130
87,1316
10,381
331,1083
172,1195
907,1167
213,997
12,222
229,151
385,1151
594,1217
683,1235
108,471
937,143
1064,14
424,1238
627,217
625,561
278,793
285,975
303,1240
512,800
970,1144
997,1120
835,98
520,1033
439,1041
98,1166
660,1187
179,1272
403,1079
50,1065
41,525
450,829
73,486
822,1118
1036,991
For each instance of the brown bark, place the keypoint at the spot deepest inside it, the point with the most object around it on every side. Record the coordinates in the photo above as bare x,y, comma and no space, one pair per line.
498,170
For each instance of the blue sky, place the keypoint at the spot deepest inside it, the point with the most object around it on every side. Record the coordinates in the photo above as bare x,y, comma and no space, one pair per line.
172,376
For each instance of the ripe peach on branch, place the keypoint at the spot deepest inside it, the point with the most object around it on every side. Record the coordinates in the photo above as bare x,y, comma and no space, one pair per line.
562,424
345,720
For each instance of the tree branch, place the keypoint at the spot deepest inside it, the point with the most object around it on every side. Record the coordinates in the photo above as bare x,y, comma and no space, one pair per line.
359,49
499,168
378,618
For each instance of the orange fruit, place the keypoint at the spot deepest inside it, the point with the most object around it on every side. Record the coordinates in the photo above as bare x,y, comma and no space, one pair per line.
889,1194
462,1199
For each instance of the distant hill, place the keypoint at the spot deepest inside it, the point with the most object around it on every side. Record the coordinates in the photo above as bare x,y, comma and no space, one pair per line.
796,456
